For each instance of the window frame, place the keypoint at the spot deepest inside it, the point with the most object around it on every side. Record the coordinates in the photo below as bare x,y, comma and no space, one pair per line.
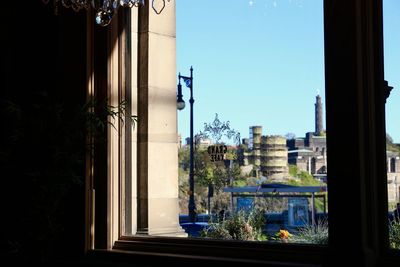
354,78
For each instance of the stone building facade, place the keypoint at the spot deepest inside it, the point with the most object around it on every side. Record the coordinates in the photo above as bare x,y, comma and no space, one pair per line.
267,154
309,154
393,176
270,157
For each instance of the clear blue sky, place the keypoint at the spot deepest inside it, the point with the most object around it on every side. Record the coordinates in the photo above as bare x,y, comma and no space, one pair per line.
391,27
261,62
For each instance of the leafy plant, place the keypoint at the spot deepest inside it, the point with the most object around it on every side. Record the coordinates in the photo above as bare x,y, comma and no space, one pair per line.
42,154
313,234
98,114
210,173
394,234
246,226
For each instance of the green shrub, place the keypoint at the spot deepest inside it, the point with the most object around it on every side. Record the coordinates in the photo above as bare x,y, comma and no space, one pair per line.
394,234
313,234
241,225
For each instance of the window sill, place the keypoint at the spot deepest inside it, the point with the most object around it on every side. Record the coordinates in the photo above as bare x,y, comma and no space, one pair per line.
218,251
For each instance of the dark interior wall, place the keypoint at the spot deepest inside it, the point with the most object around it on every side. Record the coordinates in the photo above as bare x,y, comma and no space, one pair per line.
42,145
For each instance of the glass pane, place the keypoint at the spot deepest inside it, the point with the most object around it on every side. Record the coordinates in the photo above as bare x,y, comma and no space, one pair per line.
254,164
391,24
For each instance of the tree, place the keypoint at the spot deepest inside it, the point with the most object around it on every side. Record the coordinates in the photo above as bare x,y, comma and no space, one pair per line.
216,174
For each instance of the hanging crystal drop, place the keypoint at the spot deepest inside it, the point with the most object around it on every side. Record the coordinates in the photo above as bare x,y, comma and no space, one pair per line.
115,4
105,9
103,18
139,3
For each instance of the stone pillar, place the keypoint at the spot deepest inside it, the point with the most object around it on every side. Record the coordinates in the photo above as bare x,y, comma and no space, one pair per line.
158,209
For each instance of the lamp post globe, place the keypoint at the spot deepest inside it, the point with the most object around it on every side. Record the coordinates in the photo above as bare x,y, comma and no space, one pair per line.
180,104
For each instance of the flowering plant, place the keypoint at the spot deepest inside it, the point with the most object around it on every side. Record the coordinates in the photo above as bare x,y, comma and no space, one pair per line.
283,235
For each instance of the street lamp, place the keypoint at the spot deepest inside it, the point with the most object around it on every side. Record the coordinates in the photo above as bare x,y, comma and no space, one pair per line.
181,105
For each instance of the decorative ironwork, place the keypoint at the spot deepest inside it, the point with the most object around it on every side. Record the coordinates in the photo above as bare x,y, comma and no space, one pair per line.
105,9
154,6
218,129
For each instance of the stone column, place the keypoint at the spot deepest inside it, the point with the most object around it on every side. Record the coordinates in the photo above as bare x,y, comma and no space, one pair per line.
158,209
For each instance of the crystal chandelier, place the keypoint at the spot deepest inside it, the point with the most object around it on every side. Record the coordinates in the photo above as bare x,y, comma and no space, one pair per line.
105,9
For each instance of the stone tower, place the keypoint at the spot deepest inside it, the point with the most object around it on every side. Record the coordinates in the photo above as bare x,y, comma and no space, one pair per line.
255,143
318,116
274,158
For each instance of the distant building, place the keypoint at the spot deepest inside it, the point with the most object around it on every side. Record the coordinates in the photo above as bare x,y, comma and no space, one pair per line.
199,141
309,153
271,155
274,158
254,147
267,154
393,176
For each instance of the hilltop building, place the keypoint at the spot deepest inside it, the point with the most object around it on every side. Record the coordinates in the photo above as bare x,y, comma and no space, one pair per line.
274,158
271,155
267,154
309,153
253,155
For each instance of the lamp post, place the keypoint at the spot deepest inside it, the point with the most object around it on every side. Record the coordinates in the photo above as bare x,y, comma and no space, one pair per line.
181,105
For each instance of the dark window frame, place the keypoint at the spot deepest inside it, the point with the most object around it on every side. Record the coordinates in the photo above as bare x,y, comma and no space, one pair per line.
355,115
